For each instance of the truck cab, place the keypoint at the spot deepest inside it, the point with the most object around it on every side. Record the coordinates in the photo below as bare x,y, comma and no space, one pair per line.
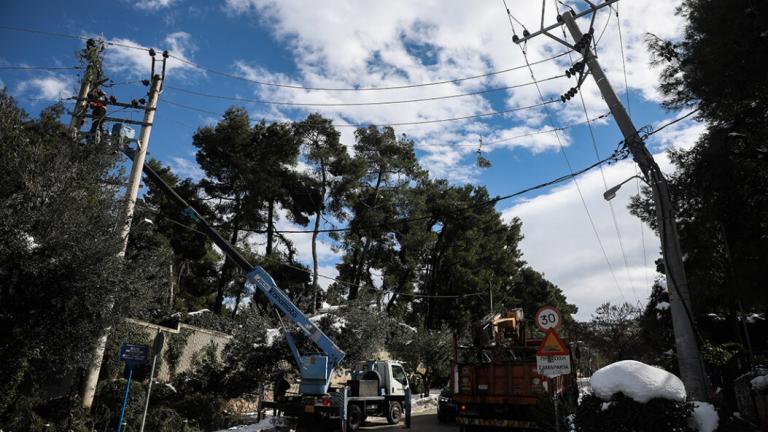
391,376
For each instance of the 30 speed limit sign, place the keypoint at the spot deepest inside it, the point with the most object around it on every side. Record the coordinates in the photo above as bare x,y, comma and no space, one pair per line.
548,317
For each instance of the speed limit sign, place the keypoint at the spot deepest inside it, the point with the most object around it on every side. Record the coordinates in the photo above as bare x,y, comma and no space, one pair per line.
548,317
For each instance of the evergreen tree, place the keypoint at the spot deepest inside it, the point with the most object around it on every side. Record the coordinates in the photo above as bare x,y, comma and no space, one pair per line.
59,265
330,164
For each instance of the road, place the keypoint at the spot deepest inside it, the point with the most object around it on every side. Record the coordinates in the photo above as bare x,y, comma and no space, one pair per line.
425,421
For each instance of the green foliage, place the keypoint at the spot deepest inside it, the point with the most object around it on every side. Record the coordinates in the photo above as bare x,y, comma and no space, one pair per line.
719,355
622,414
613,332
426,353
59,207
719,184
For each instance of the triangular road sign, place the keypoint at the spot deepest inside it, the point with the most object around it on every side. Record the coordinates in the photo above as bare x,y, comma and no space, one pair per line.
552,345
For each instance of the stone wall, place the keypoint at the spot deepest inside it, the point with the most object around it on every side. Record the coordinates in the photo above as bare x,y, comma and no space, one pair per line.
182,346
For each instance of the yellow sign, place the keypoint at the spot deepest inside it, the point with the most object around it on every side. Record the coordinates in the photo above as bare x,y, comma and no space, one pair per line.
552,345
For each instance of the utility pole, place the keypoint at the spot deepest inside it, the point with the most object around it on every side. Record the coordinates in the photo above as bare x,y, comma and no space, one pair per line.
688,354
91,74
138,160
92,374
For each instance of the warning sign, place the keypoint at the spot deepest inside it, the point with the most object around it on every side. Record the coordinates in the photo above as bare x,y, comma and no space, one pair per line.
552,345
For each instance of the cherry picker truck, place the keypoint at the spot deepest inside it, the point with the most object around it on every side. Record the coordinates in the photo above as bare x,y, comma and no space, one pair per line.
377,388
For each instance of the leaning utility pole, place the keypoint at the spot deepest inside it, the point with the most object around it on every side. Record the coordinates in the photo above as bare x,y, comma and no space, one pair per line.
93,51
92,374
688,354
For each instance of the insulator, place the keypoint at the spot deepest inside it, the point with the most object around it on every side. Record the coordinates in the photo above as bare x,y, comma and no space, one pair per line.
145,82
165,54
562,98
515,38
112,100
526,33
151,52
559,18
568,73
142,101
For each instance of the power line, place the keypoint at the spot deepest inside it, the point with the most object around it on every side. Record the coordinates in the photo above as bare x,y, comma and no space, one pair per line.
404,86
282,85
616,156
605,184
69,36
34,68
408,123
516,137
567,161
337,104
302,269
629,112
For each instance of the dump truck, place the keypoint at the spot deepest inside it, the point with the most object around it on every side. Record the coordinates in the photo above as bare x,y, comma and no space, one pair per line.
495,382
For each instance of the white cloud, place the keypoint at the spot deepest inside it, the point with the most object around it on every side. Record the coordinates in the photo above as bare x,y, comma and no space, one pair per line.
49,88
374,44
153,5
136,63
186,168
560,242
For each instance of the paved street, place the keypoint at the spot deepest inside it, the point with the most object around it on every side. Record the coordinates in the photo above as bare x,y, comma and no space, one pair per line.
425,421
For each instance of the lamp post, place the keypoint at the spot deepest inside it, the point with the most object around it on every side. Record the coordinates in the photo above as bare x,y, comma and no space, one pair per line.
611,193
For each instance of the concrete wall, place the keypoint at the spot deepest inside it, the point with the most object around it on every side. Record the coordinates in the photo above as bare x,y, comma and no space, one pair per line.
197,340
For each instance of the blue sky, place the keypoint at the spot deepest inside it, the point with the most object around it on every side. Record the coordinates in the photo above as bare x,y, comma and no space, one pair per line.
360,44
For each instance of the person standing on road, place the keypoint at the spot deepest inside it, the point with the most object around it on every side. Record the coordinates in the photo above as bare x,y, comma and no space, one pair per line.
281,388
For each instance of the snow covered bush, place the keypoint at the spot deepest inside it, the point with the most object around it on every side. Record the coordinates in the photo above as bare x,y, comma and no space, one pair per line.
632,396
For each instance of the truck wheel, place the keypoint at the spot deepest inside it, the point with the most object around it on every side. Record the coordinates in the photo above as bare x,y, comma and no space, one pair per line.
354,417
394,413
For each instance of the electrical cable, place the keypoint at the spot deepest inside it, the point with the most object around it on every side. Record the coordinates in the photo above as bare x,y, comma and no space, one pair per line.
397,87
337,104
302,269
34,68
619,154
409,123
605,184
69,36
567,161
516,137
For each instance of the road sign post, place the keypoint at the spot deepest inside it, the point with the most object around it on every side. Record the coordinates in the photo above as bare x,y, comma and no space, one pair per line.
156,348
132,355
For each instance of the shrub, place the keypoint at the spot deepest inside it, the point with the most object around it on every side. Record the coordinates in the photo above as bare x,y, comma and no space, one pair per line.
622,414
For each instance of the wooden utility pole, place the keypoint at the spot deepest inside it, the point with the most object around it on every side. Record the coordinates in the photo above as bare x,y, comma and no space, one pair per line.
688,355
92,374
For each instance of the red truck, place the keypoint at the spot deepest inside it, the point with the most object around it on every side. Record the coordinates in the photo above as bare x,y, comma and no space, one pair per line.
496,384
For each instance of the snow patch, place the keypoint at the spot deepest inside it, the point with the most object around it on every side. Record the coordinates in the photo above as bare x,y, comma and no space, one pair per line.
198,312
760,383
272,335
662,306
31,243
605,405
638,381
705,418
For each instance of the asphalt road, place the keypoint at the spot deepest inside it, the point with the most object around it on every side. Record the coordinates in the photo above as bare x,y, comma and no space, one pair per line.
425,421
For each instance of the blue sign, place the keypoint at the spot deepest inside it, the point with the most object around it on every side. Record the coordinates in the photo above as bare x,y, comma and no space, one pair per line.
133,354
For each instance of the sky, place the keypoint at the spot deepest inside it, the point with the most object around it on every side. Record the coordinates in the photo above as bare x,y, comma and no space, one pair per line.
247,52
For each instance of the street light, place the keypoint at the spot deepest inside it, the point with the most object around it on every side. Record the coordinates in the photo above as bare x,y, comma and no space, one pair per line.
611,193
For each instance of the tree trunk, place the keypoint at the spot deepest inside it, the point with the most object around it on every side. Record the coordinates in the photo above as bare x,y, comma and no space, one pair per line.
270,226
226,268
358,268
315,234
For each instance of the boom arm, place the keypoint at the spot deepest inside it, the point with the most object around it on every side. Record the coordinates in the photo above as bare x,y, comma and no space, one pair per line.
315,369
